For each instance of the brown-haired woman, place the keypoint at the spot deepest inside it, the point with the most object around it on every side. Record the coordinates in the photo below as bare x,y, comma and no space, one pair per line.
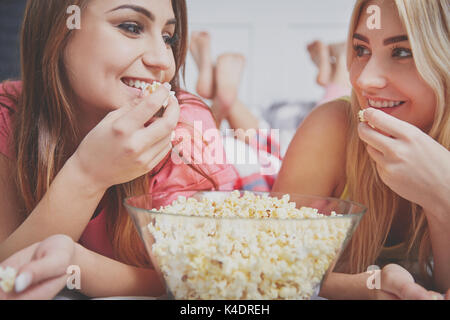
75,138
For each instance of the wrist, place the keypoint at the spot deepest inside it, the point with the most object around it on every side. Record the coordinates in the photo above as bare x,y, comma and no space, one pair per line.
81,179
438,209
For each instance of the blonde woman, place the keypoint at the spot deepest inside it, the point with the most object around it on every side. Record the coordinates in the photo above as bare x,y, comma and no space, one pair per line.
397,164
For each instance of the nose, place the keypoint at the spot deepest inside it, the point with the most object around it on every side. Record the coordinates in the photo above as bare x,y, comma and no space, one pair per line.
157,55
372,76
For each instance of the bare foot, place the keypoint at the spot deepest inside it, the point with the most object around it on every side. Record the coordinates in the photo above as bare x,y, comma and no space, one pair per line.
228,73
320,55
200,48
339,73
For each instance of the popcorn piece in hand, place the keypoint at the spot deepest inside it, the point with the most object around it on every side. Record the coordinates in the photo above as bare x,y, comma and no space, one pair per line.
362,118
7,279
151,88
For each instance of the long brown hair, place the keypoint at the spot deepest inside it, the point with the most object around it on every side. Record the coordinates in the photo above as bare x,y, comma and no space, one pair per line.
426,23
44,125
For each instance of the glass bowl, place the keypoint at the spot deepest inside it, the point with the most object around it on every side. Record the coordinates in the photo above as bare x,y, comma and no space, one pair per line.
271,255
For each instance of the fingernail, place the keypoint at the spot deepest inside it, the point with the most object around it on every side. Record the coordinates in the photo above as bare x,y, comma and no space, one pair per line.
22,282
167,85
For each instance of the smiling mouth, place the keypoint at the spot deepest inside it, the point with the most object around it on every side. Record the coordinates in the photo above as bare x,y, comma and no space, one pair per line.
138,84
384,103
148,88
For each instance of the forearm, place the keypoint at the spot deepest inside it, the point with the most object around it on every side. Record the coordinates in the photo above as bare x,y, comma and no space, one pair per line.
341,286
438,219
115,278
66,208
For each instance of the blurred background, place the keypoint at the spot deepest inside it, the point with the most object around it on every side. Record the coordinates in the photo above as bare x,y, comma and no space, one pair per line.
272,35
11,12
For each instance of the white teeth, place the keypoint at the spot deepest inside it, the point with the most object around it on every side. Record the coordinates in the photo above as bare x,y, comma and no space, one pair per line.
383,104
144,86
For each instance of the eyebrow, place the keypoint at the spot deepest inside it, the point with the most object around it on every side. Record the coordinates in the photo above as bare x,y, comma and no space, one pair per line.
395,39
143,11
386,42
361,37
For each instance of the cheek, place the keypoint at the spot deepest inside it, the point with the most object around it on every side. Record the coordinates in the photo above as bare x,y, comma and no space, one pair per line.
93,62
354,73
425,104
421,96
169,74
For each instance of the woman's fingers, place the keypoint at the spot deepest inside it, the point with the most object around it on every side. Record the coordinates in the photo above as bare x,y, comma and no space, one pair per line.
377,140
161,127
45,290
413,291
51,259
160,155
386,123
20,258
398,281
142,113
47,267
376,155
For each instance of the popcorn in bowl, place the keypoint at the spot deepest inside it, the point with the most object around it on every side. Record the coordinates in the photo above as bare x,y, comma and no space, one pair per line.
244,246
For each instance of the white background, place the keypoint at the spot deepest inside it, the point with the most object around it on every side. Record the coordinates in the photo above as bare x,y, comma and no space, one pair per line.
273,36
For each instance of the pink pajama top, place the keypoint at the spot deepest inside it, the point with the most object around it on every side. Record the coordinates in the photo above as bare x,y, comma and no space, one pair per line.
175,175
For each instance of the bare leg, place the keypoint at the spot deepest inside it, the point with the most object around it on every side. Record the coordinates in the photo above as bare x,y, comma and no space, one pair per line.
339,83
200,48
339,73
320,55
240,117
227,78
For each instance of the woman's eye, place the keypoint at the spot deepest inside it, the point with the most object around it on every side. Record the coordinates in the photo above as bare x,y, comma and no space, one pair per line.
361,50
170,40
130,27
401,53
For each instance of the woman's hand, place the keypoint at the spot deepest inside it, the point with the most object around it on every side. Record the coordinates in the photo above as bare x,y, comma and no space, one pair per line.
410,162
398,284
123,146
41,268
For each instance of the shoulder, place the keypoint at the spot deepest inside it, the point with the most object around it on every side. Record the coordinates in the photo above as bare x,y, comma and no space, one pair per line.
315,160
330,117
326,127
193,110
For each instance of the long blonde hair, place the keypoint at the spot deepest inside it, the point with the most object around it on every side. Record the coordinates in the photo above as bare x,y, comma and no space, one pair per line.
427,26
